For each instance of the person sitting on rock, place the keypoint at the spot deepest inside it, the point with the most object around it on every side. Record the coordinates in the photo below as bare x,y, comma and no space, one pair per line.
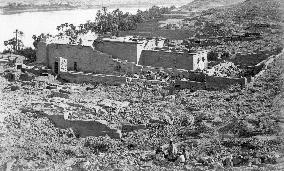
172,151
182,157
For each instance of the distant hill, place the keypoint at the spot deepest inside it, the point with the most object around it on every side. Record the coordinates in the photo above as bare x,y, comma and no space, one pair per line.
19,6
261,17
94,2
200,5
252,10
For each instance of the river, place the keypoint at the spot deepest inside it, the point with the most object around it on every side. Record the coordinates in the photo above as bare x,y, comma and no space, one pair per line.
31,23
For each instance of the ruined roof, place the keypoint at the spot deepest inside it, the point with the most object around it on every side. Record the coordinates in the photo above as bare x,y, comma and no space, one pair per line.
127,39
176,51
131,39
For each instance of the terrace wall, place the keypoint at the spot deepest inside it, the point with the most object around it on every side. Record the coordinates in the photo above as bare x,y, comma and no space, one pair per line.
192,85
217,83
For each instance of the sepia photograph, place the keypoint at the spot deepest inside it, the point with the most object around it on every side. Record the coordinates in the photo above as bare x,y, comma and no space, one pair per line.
141,85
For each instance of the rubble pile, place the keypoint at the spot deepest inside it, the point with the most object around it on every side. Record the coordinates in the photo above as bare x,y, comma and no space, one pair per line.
225,69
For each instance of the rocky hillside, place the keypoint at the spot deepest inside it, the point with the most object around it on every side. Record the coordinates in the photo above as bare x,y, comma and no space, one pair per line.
239,126
259,17
207,4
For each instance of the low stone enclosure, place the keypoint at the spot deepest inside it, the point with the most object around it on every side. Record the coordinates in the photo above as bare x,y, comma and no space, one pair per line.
123,72
193,81
80,77
129,72
211,83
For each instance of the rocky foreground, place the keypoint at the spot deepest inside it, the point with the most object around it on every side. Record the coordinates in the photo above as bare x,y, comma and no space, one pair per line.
41,125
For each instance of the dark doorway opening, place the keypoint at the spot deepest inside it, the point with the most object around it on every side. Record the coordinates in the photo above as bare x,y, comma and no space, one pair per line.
75,66
56,67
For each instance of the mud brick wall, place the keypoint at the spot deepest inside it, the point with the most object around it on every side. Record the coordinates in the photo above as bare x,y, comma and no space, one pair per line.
166,59
217,83
87,59
41,53
121,50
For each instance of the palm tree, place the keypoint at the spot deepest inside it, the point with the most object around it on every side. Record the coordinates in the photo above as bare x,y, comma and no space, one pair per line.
81,27
58,28
62,26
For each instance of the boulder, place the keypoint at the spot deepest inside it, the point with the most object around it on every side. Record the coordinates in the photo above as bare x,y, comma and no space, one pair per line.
26,77
99,110
11,76
200,116
126,127
188,167
50,87
155,120
187,121
14,88
64,91
9,164
217,120
168,119
256,161
237,161
113,104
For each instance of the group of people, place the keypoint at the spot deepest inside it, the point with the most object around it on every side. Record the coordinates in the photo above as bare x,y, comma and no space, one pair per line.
172,154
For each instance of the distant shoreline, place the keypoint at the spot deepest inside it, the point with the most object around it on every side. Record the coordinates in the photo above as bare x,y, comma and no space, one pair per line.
10,11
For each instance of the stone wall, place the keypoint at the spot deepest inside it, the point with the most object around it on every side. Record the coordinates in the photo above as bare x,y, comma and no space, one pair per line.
195,76
86,128
211,83
79,77
192,85
217,83
120,50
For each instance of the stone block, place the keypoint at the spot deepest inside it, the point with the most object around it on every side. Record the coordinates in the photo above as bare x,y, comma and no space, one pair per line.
129,127
86,128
